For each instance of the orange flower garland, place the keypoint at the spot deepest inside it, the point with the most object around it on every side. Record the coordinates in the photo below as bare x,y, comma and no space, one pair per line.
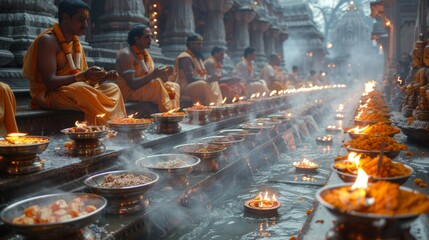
200,66
249,66
143,56
67,50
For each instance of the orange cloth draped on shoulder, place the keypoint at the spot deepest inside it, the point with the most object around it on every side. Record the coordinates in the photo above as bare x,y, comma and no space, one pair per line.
7,110
105,98
155,91
197,91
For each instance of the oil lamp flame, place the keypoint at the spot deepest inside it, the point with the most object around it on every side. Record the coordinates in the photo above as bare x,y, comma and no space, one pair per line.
224,100
263,94
305,163
361,180
234,99
257,94
241,98
252,96
273,93
81,124
358,129
132,115
16,135
263,200
173,110
212,104
354,157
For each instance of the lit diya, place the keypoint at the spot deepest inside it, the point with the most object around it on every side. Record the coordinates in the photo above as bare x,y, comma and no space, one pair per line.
20,151
86,139
262,204
327,139
198,113
306,165
217,113
132,127
168,122
382,210
339,116
333,128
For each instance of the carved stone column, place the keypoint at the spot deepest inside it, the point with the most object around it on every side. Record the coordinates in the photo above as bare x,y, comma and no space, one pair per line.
270,38
22,21
242,40
258,27
215,36
281,38
180,23
119,17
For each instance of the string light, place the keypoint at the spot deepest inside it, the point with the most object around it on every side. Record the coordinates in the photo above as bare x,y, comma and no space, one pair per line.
153,20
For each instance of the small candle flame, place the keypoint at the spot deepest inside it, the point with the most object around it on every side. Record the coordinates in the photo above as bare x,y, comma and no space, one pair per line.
234,99
224,100
211,104
241,98
252,96
173,110
263,94
273,93
358,129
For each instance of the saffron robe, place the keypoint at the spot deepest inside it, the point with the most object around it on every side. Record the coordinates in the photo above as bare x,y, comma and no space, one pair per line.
198,91
7,110
246,76
270,72
105,98
155,91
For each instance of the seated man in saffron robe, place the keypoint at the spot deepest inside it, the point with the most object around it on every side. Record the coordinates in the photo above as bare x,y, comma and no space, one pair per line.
226,84
245,71
139,80
58,72
191,74
7,110
272,74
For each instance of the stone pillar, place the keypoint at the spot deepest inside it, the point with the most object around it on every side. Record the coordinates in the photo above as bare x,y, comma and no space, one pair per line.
180,23
243,17
215,34
281,38
258,27
22,21
270,38
119,17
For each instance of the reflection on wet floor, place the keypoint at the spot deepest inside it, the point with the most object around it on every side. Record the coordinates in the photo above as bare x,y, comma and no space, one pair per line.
226,218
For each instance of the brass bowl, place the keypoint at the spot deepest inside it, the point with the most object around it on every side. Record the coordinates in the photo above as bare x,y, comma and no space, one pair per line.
150,162
348,177
8,149
370,220
129,127
168,118
52,230
96,134
191,149
374,153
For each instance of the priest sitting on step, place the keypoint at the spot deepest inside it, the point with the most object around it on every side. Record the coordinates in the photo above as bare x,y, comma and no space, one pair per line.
58,72
191,74
139,79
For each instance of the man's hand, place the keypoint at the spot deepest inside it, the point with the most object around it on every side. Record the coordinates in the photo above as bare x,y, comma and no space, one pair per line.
94,74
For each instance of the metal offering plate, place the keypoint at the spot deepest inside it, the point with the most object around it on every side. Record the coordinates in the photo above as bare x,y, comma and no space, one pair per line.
126,198
374,153
250,207
222,140
169,117
257,126
350,177
240,133
73,227
93,132
201,150
24,145
122,125
171,163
